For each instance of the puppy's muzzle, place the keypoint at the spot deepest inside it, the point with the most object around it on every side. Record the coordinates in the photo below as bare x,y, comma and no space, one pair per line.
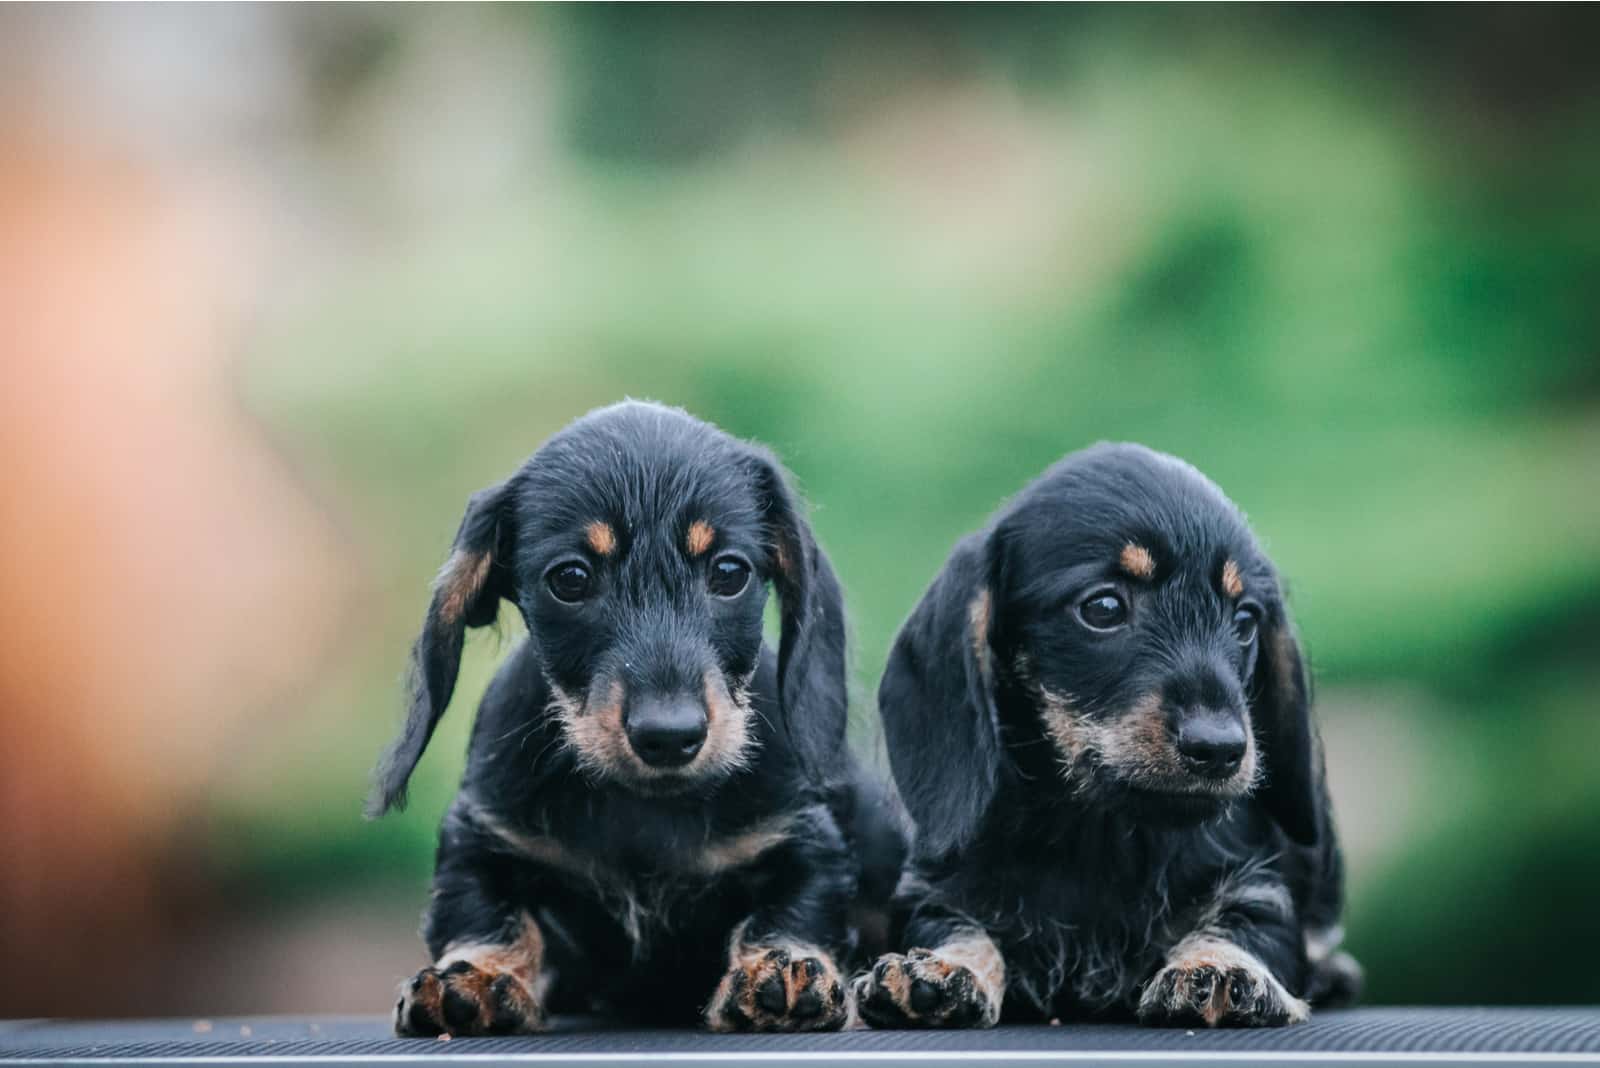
1211,741
666,731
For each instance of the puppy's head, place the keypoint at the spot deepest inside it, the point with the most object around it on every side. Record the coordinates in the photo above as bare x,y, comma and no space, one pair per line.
1119,619
638,544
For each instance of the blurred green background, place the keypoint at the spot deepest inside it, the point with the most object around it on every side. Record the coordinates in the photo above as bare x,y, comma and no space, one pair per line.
1344,260
1325,257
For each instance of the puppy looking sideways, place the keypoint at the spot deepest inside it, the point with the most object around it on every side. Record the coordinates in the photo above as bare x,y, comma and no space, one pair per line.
659,818
1098,717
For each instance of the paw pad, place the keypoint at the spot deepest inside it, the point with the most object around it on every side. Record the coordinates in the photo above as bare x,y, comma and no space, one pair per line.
921,989
778,989
464,1000
1224,994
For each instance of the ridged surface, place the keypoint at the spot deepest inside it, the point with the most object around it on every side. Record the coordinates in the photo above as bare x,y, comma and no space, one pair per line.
1358,1031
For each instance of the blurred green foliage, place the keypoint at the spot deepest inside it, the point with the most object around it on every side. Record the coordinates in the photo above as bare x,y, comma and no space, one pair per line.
1341,261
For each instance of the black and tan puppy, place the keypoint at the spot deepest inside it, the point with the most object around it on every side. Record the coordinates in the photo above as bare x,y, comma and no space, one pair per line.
657,818
1098,718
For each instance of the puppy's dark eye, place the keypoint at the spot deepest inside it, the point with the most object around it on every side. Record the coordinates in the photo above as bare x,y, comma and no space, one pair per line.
569,582
1245,625
728,577
1103,610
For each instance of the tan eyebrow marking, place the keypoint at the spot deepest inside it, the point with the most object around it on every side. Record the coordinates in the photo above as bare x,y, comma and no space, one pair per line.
1232,582
1137,561
700,535
601,538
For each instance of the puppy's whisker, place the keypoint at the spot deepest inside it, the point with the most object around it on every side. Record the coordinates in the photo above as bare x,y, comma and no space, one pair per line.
526,731
552,745
764,719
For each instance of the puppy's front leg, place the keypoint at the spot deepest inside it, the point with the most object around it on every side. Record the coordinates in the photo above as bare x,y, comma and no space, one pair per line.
960,982
781,976
489,978
1219,975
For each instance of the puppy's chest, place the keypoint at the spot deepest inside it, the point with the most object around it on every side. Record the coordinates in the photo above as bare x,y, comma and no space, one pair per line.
1074,943
663,870
644,874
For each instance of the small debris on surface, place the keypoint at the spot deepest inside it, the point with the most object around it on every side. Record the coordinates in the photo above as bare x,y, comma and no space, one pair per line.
1055,1021
244,1031
443,1038
202,1027
1189,1033
316,1029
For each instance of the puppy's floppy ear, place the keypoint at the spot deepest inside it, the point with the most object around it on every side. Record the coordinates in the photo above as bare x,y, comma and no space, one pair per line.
466,594
812,687
938,706
1293,791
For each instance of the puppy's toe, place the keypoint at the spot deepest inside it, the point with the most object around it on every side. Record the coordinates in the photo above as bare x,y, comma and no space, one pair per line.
779,989
922,989
1218,989
464,1000
419,1012
1255,999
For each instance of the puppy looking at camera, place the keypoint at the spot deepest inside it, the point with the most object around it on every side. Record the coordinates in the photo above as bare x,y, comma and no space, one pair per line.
1098,718
653,821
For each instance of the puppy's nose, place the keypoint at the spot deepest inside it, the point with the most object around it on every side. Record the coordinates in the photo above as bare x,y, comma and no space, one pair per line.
667,732
1212,743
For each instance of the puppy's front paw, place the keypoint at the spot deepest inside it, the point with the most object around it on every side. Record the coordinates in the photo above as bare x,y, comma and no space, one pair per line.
925,989
461,999
779,988
1219,986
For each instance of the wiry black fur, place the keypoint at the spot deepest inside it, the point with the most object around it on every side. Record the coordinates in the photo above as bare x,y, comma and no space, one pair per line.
1083,882
648,938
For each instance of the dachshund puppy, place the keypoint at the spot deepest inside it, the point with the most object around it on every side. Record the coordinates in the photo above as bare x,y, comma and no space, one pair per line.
1098,719
653,821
